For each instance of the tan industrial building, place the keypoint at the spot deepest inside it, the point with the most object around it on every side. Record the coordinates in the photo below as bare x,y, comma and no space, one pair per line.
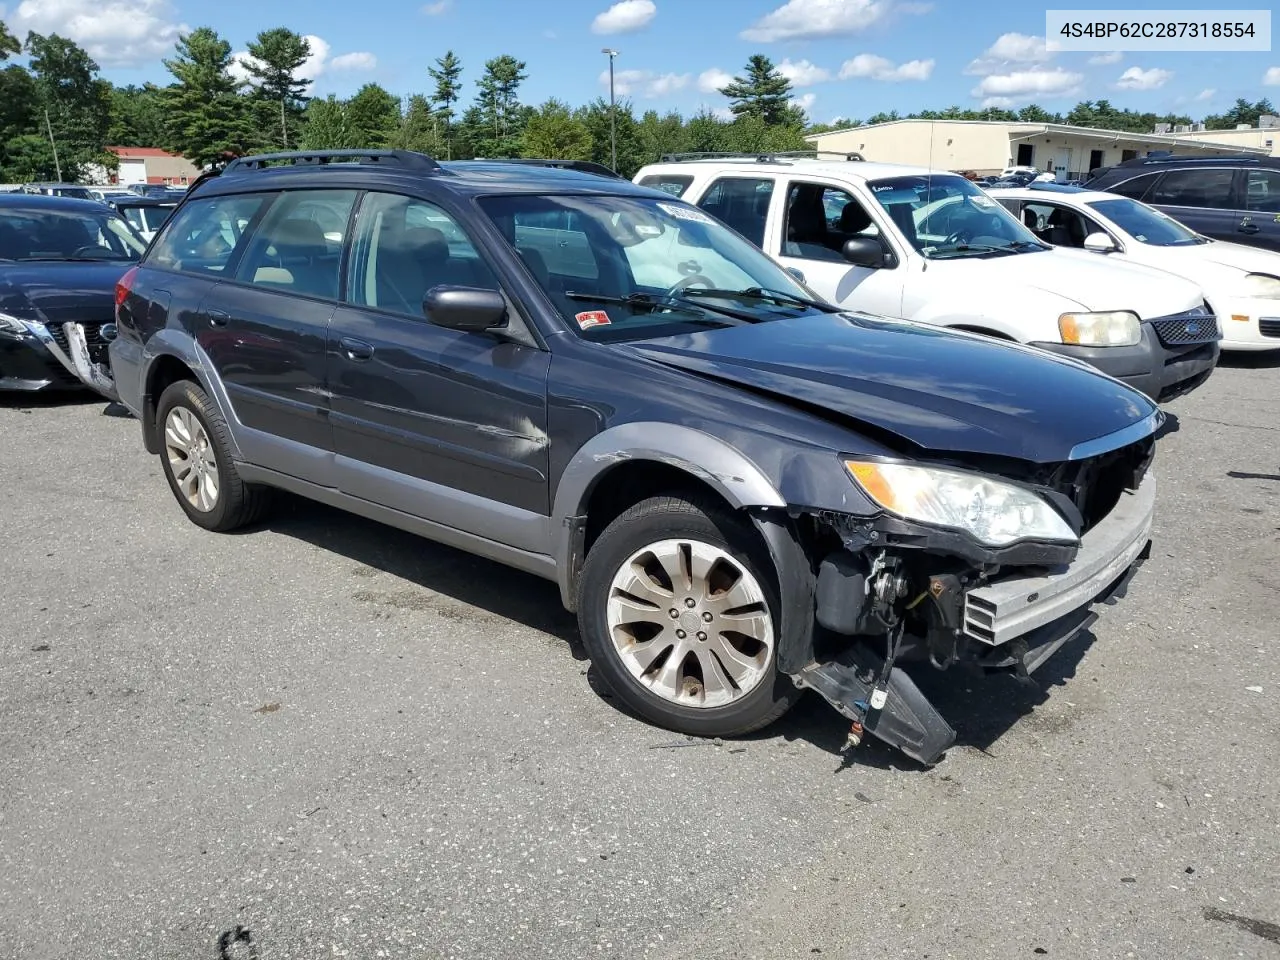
151,165
989,146
1244,139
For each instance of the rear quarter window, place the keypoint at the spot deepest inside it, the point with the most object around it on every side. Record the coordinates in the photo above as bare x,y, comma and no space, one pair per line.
204,233
672,183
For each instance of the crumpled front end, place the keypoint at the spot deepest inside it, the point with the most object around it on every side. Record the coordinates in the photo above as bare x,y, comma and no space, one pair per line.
79,349
890,592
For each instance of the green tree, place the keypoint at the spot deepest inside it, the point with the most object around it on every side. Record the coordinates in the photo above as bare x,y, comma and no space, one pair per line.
373,117
498,101
447,73
207,116
555,133
276,56
137,116
420,129
595,117
30,157
659,135
20,114
76,102
326,125
9,44
706,133
1242,112
763,92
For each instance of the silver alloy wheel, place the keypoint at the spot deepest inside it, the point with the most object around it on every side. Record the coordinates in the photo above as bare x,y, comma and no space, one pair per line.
191,459
690,622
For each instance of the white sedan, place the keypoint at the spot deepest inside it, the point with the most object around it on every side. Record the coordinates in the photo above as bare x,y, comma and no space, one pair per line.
1241,284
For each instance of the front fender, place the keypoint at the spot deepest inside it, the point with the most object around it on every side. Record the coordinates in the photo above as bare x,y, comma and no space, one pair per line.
726,470
1023,314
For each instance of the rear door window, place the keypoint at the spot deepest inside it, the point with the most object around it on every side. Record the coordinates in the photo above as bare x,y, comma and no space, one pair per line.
742,203
1262,191
1194,188
1136,188
204,234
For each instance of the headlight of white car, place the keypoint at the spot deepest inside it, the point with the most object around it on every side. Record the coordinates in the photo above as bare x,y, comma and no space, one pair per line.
993,513
1111,328
1262,286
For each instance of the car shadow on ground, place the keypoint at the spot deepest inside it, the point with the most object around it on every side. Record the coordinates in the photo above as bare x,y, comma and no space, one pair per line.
980,707
23,401
1249,360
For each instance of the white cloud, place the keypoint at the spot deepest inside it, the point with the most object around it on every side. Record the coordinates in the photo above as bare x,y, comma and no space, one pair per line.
722,113
1205,94
805,101
1272,77
880,68
807,19
1008,52
113,32
1022,86
625,17
437,8
802,73
1137,79
646,83
714,80
360,60
317,63
1106,59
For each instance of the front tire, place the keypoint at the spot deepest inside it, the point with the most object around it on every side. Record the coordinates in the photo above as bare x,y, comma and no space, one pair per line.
195,451
677,607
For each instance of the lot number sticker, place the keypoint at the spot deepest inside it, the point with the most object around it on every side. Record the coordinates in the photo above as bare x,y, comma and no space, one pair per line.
684,213
592,318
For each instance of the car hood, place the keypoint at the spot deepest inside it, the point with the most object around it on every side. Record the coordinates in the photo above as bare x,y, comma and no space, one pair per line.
936,389
1089,280
58,291
1227,254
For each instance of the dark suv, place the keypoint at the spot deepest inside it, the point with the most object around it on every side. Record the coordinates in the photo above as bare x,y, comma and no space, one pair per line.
1228,198
603,385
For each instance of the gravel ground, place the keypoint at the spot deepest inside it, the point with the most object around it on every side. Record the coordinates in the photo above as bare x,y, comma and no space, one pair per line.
327,738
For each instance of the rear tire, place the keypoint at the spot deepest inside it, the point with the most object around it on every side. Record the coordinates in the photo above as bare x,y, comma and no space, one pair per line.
678,607
195,453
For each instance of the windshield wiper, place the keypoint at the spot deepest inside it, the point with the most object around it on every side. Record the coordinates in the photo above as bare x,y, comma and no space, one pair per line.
642,301
763,294
975,248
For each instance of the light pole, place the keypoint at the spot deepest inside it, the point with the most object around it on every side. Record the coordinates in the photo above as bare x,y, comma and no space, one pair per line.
613,114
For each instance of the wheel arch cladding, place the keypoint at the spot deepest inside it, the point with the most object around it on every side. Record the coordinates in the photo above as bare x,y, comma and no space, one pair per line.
172,356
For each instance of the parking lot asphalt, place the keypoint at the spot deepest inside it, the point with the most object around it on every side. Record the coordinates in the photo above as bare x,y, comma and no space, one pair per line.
323,737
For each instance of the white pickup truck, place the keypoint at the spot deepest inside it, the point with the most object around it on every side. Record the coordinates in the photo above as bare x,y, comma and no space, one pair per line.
931,247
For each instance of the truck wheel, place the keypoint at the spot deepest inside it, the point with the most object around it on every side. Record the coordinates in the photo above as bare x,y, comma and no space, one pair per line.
196,457
677,607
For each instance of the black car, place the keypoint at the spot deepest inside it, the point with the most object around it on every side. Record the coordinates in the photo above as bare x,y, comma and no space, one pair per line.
1233,198
145,214
742,491
60,260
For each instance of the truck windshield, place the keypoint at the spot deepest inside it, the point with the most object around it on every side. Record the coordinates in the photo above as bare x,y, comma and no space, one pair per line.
945,217
621,268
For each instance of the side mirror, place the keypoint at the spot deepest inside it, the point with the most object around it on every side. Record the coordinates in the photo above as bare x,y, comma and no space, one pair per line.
797,274
473,309
1099,243
863,252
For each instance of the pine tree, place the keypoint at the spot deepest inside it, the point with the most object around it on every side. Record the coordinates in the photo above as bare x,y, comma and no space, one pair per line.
207,115
276,56
75,103
499,103
447,73
763,92
553,132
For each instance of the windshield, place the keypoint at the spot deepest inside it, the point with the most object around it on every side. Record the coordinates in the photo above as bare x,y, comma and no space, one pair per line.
623,268
1146,224
146,219
66,235
946,216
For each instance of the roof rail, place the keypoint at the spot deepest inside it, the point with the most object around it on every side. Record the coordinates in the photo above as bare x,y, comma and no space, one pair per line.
769,156
262,161
582,166
1167,157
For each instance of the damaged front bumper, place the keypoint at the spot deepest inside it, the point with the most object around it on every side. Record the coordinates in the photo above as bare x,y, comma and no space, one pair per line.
76,356
1014,621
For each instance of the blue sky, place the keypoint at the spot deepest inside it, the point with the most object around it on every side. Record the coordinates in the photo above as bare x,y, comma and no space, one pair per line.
847,58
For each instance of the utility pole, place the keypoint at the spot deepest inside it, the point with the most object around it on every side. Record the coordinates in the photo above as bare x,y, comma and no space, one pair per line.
613,113
49,126
284,126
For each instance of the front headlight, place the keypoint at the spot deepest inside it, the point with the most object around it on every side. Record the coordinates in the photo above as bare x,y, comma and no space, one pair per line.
1111,328
10,324
1261,286
993,513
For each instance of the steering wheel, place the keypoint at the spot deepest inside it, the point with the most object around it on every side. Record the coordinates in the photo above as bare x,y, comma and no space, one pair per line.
687,282
957,236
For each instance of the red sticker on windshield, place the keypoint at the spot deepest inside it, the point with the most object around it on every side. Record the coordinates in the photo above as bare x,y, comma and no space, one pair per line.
592,318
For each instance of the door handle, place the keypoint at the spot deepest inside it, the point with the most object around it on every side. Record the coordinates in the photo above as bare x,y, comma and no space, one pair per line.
356,349
219,318
1247,227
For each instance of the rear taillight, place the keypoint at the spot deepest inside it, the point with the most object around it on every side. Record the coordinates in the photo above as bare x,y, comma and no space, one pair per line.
124,285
